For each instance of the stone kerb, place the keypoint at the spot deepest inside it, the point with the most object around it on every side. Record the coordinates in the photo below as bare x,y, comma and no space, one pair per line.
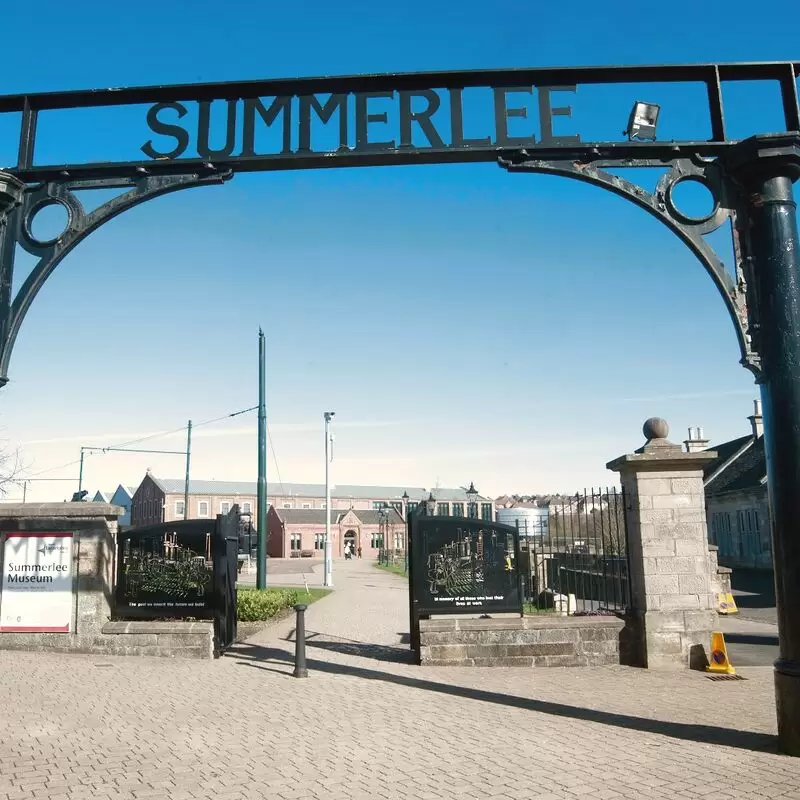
672,584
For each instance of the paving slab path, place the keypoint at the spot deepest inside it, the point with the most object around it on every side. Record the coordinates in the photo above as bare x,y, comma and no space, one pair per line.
369,724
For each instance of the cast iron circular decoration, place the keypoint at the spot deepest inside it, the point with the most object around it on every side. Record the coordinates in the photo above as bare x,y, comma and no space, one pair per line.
689,219
35,209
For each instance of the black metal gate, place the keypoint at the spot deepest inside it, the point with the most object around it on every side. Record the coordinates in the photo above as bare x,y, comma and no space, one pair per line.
460,565
185,569
226,569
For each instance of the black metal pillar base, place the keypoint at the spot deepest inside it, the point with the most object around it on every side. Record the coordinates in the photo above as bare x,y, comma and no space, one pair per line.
767,166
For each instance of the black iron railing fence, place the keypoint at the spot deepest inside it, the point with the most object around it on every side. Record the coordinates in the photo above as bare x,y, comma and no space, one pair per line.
575,559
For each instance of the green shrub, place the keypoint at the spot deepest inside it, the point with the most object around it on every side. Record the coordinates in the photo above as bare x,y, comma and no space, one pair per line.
253,605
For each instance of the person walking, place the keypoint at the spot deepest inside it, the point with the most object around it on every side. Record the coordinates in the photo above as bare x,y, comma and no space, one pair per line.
359,551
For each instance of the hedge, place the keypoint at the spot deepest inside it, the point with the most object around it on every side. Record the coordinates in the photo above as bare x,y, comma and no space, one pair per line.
258,604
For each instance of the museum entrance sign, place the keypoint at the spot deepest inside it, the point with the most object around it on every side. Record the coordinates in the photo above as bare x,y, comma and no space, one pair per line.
37,588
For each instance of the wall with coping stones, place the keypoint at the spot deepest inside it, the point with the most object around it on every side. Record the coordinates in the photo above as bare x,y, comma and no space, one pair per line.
547,640
94,528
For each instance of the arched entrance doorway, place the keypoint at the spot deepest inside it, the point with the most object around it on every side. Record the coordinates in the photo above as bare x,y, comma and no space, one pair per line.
350,542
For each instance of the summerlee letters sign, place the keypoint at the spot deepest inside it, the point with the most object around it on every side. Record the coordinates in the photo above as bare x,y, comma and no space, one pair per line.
360,120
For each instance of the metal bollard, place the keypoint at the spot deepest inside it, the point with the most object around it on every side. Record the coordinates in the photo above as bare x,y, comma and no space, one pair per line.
300,669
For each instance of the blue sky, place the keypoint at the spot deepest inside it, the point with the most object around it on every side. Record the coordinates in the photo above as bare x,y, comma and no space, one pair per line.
465,324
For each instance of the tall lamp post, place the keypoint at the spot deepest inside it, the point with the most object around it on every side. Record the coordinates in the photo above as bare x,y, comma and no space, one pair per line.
472,501
328,565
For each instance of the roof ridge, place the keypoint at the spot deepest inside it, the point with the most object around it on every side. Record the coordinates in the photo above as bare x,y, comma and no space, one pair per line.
731,459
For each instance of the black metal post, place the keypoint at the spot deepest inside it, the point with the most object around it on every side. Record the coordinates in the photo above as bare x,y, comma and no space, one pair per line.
188,468
261,488
767,167
300,669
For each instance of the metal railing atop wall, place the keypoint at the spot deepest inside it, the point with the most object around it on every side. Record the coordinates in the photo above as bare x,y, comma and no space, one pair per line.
576,559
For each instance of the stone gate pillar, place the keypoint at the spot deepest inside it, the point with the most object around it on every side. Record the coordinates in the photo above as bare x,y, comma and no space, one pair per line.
671,581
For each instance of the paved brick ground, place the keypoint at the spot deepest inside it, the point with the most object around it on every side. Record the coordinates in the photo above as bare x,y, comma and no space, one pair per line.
368,724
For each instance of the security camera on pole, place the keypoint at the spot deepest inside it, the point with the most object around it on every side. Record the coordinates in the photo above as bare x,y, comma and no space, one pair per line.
328,567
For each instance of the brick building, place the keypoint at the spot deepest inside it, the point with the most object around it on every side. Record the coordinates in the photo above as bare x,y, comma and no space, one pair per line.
302,531
159,500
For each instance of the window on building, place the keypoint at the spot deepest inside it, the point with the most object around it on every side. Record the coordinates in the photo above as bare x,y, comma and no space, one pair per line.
202,508
295,541
225,508
748,528
458,509
247,508
319,541
412,505
306,505
443,509
179,508
472,510
398,507
721,531
487,512
398,541
287,505
323,505
376,541
377,504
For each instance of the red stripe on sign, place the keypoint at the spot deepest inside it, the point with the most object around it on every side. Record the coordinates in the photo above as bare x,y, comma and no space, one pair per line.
29,629
40,535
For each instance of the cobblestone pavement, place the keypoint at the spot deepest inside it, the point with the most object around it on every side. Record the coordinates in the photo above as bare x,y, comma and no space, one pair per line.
366,723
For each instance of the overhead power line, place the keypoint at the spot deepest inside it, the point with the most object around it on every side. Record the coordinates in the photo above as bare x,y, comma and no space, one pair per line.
147,438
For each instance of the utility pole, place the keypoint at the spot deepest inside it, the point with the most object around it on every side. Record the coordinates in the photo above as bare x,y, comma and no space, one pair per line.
80,472
328,571
261,500
188,461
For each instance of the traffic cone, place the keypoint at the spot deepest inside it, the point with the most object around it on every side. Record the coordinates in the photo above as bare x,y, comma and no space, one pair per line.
719,656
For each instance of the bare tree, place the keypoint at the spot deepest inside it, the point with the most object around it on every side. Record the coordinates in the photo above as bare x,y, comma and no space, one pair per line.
11,468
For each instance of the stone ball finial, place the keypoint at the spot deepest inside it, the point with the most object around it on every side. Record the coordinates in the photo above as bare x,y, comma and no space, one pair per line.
655,428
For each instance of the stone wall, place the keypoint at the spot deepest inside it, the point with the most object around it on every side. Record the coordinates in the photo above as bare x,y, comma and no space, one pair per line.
160,638
720,576
94,529
547,640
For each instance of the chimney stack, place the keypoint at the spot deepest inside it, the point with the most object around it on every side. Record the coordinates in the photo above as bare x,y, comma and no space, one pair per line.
756,420
696,441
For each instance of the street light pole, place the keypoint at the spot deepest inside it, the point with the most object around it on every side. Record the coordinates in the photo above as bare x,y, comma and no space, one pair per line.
188,460
328,565
80,472
261,500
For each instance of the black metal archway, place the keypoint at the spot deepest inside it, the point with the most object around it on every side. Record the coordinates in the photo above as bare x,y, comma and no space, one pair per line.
750,182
